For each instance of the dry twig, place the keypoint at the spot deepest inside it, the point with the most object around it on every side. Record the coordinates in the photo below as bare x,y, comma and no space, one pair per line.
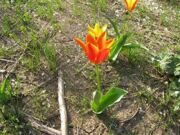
6,60
62,107
41,127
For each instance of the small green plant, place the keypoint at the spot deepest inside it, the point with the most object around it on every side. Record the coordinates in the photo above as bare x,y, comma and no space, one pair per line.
6,92
169,64
6,25
99,5
77,9
45,8
10,114
50,55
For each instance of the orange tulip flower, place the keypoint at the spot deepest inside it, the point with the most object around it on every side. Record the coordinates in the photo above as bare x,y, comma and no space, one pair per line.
96,49
130,4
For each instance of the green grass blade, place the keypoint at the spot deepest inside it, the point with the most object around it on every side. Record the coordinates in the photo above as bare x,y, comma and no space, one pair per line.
113,23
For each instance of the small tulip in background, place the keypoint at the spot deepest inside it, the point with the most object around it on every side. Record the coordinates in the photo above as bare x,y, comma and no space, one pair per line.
130,4
97,48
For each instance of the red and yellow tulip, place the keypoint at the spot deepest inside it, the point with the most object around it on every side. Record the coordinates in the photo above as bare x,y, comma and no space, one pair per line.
96,49
130,4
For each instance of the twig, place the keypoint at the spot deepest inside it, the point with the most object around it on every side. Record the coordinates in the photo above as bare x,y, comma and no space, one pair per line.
41,127
62,107
46,82
6,60
2,71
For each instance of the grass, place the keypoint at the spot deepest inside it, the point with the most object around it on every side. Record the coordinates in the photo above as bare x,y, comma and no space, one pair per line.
18,26
45,9
77,11
10,115
99,5
5,52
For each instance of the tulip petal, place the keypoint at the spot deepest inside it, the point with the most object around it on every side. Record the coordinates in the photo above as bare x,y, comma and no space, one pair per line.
134,5
92,52
130,4
97,27
90,39
109,43
91,31
102,41
97,30
81,43
102,55
104,28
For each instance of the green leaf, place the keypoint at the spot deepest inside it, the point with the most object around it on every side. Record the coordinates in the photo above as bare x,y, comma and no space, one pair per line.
134,46
114,24
97,96
169,63
113,96
115,50
5,91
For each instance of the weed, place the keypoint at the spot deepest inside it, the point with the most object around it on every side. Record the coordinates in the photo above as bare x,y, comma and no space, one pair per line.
45,9
84,104
5,92
99,5
169,64
77,9
5,52
144,12
50,55
9,110
164,20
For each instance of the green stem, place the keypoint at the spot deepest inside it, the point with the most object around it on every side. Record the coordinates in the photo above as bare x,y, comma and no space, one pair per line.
98,79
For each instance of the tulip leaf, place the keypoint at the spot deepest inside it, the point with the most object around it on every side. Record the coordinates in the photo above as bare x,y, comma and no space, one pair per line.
97,96
114,24
113,96
116,48
134,46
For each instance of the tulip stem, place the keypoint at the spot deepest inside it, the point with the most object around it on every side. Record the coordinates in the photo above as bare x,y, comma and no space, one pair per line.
98,79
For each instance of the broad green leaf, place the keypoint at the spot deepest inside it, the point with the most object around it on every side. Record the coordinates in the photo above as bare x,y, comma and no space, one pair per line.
113,96
115,50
